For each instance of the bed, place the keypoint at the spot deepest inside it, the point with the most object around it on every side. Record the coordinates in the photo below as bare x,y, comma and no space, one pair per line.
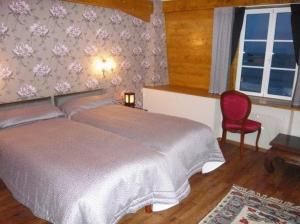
68,172
187,146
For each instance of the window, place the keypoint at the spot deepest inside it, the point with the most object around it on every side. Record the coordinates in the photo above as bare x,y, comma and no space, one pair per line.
266,64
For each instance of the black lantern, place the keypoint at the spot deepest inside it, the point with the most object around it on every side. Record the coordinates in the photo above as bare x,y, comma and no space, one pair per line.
129,99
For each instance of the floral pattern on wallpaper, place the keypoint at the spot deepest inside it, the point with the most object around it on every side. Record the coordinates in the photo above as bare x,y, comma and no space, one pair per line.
48,47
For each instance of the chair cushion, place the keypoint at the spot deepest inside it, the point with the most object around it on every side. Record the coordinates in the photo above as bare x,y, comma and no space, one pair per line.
250,126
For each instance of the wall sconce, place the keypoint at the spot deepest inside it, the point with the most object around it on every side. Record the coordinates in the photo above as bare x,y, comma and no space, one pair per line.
104,65
129,99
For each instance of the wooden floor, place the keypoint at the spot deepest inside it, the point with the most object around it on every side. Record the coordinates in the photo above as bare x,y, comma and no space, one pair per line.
207,191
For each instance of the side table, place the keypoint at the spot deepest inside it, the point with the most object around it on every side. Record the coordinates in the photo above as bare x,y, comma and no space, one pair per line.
286,147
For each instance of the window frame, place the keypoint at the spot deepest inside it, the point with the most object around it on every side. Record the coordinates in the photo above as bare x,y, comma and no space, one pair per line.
268,54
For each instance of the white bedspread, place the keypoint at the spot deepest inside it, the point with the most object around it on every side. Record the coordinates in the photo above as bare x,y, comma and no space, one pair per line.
187,146
71,173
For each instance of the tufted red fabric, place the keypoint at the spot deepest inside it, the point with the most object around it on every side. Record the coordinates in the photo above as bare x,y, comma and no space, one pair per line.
249,126
236,107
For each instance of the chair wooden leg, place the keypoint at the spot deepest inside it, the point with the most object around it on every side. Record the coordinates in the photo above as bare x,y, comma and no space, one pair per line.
242,144
257,139
223,140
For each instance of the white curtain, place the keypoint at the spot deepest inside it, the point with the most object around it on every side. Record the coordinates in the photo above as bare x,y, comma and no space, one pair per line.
221,50
296,97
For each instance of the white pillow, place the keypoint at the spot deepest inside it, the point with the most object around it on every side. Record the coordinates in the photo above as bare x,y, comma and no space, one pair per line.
29,113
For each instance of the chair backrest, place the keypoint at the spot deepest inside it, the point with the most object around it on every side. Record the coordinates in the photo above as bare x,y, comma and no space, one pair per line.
235,106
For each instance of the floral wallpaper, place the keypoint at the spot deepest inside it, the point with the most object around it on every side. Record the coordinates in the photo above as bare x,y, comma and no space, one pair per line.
48,48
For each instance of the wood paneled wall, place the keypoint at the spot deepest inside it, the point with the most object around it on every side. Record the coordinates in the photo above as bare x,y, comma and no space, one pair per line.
189,36
189,26
138,8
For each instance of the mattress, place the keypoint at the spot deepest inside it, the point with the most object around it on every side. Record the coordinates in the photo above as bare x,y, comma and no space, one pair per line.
187,146
72,173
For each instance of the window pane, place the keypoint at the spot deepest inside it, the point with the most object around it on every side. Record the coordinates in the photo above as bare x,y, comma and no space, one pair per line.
254,53
283,29
281,82
251,79
257,26
283,56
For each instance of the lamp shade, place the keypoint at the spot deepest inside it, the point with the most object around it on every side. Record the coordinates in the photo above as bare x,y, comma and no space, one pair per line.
129,98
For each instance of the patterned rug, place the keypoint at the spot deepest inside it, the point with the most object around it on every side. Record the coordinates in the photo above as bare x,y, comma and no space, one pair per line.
242,206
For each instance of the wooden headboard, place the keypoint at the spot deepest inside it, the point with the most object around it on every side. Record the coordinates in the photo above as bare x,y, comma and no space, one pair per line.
18,104
57,100
60,99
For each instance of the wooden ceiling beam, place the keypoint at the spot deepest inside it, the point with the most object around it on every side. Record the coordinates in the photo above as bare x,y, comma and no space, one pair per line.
189,5
139,8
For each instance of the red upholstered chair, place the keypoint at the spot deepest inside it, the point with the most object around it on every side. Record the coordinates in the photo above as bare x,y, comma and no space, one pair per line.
236,107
